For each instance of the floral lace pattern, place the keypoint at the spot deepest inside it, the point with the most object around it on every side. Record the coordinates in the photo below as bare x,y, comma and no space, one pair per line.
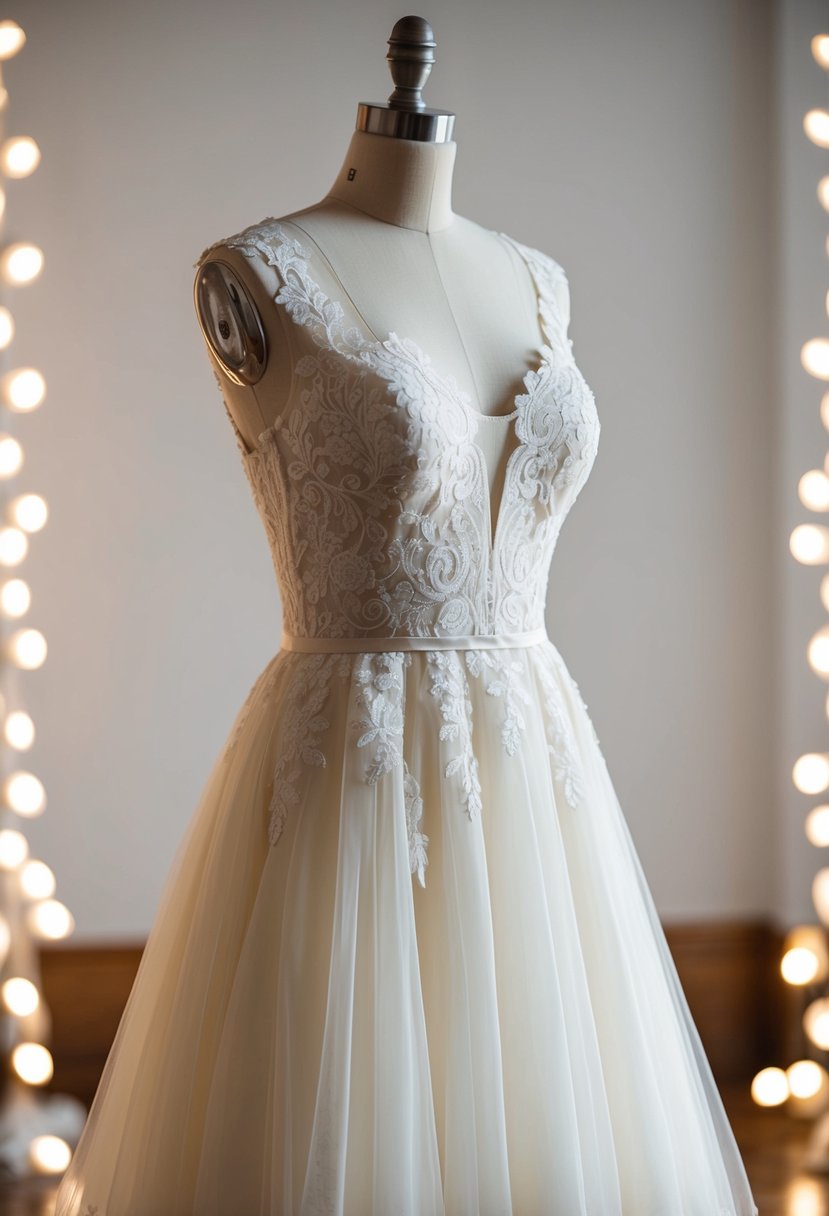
560,742
302,722
261,689
379,678
373,488
509,683
449,687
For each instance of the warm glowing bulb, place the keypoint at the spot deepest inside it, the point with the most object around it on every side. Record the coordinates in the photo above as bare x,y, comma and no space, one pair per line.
37,880
810,773
14,849
49,1154
27,648
820,49
15,597
11,456
818,652
813,490
21,262
20,996
816,1022
799,966
816,126
14,546
823,192
805,1078
50,919
19,156
814,356
770,1087
817,826
5,939
29,512
19,730
820,894
12,39
33,1063
805,954
23,792
809,543
6,319
23,389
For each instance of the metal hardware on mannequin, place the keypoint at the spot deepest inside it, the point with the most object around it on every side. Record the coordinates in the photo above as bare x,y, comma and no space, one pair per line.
228,317
405,115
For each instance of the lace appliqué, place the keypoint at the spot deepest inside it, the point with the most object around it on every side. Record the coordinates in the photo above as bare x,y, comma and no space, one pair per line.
418,840
380,679
268,678
560,742
449,687
372,485
509,683
564,672
302,722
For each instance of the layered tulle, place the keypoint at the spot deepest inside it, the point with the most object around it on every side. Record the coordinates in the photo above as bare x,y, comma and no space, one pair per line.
413,998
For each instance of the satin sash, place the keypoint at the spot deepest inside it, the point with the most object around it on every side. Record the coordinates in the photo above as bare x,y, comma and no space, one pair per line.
469,641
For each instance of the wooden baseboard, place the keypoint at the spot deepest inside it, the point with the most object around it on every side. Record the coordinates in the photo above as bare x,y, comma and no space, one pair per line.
728,971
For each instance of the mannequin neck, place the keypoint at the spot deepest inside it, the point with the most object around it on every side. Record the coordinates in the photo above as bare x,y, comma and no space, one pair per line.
405,182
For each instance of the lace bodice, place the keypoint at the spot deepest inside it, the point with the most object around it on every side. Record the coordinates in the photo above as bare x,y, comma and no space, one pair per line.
372,486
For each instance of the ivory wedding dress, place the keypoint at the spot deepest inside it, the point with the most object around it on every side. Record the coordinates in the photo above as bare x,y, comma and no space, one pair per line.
406,962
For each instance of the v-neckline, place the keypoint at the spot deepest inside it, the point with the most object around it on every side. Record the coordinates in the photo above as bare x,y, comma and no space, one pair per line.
447,379
357,337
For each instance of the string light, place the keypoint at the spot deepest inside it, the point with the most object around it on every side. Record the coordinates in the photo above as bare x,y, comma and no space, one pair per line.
19,156
15,598
12,39
33,1063
50,1154
21,262
804,962
50,919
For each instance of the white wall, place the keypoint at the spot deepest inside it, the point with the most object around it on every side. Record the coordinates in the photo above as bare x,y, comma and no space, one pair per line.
632,142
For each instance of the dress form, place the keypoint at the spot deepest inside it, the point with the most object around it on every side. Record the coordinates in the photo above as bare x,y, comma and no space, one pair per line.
386,242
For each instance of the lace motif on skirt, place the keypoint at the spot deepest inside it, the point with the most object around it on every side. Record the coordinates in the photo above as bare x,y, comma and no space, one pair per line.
378,721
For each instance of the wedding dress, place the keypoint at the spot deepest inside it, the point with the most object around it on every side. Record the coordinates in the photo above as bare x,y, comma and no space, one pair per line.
406,961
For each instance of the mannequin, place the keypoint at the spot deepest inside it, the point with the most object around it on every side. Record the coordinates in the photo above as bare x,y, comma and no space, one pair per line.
386,243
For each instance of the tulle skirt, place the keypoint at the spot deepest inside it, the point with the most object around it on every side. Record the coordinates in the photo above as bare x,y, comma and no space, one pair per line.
406,963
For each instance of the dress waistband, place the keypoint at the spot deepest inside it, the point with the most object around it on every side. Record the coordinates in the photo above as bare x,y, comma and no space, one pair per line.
469,641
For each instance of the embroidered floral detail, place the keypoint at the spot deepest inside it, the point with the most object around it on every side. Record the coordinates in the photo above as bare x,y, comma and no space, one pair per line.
510,683
267,676
418,860
560,741
449,687
564,672
380,680
373,488
301,724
